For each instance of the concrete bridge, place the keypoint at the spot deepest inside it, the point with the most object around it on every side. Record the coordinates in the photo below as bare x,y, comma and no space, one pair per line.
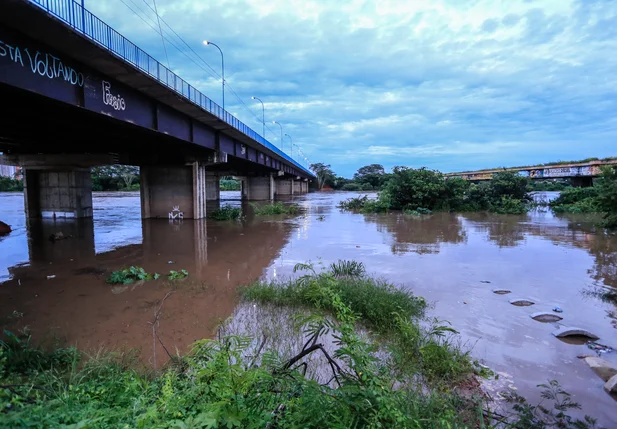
77,94
581,173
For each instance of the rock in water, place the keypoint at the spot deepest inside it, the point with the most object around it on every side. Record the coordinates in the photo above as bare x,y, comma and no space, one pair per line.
546,317
611,385
603,368
501,291
568,331
4,228
522,302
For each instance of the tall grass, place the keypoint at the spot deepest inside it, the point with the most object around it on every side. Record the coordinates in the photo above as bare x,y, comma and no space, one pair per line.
226,212
275,209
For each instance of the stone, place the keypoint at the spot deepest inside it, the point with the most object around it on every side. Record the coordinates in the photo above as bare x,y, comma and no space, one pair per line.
522,302
4,228
611,385
603,368
545,317
568,331
501,291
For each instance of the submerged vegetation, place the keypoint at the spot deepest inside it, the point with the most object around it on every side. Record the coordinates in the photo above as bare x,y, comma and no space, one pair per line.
421,191
386,366
601,198
226,212
275,209
127,276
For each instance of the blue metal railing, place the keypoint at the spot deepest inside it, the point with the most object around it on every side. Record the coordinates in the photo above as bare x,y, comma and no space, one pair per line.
83,21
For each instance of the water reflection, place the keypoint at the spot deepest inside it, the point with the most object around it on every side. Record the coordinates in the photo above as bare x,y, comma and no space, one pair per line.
420,234
61,290
503,230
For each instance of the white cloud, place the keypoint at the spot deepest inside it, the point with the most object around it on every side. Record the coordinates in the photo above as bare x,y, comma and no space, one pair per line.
448,83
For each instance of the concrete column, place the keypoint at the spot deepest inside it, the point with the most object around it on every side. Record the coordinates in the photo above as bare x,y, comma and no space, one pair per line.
284,187
272,187
258,188
297,186
213,186
293,187
173,192
57,193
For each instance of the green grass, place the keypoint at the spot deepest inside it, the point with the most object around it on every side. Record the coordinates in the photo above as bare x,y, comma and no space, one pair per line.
226,212
404,373
355,203
275,209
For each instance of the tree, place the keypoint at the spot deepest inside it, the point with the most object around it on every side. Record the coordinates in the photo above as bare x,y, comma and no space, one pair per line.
107,177
324,174
410,189
373,174
607,195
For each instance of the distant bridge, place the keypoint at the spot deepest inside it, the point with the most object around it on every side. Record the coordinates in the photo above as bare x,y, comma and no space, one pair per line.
582,173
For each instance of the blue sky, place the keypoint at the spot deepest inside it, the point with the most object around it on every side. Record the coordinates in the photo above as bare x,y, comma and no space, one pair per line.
447,84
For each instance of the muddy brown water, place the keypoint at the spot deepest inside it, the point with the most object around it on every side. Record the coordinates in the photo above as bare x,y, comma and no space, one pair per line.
454,260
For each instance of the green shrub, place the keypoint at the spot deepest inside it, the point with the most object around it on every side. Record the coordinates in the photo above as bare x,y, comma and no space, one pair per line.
10,185
355,203
351,187
130,275
275,209
607,196
509,205
226,212
577,200
230,185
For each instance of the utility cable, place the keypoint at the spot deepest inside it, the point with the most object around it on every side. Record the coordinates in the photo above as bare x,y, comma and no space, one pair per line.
161,31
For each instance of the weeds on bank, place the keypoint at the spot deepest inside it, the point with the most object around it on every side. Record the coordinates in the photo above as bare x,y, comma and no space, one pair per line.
134,274
275,209
226,212
131,275
225,384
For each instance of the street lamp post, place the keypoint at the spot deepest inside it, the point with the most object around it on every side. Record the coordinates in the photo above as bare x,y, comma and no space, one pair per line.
263,116
274,122
222,66
291,146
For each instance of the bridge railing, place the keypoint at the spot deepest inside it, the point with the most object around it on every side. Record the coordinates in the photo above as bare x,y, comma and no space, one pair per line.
83,21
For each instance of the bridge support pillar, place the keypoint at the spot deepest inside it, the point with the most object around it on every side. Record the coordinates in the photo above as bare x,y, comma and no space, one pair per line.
284,187
582,182
62,192
257,188
173,192
213,186
298,186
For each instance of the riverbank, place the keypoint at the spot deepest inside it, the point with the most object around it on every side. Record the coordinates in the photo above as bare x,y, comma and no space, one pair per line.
360,350
447,258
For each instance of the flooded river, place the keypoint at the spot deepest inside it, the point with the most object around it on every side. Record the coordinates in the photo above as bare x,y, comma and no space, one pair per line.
453,260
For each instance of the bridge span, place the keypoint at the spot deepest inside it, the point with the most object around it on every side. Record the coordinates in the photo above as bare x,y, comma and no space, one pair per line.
581,173
78,94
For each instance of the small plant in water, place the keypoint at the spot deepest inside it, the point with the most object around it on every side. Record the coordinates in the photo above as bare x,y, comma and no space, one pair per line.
348,269
226,212
177,275
418,212
356,203
130,275
276,209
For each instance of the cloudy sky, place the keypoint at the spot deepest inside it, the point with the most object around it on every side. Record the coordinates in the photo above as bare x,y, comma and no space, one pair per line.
448,84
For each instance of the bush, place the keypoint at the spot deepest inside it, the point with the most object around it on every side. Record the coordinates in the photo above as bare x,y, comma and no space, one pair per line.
10,185
275,209
607,196
577,200
509,205
230,185
355,203
409,189
226,212
351,187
